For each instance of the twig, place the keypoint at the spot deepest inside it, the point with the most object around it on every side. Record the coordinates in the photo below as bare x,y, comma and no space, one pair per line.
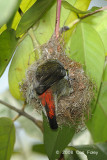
96,11
73,23
15,118
23,113
57,25
35,44
70,25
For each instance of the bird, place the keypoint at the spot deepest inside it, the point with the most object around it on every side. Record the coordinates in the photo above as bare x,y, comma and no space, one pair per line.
51,82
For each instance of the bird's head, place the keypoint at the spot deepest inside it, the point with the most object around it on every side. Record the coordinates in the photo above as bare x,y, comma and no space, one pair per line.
48,74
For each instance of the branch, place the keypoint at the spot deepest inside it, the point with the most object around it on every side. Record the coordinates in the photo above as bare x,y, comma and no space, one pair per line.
57,25
70,25
98,10
23,113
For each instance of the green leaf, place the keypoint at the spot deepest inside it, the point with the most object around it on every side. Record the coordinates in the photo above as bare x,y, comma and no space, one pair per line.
77,11
8,43
82,5
11,20
25,52
23,58
33,15
97,125
105,74
99,22
25,5
7,9
7,138
71,155
46,25
56,141
87,48
39,148
95,151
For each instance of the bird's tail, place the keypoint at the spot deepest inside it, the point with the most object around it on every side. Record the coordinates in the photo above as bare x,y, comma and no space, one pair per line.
47,101
52,119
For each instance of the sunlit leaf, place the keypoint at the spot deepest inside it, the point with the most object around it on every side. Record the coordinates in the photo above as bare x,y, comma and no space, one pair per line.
99,23
33,15
22,59
87,48
72,8
25,5
46,24
83,6
25,50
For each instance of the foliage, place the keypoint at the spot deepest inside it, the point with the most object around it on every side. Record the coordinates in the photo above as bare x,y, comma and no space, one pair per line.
8,43
56,140
7,138
94,151
86,40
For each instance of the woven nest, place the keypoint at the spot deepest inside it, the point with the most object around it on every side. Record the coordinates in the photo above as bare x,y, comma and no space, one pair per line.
72,109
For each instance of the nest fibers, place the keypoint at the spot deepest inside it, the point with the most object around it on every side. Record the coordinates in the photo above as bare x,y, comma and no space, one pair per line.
72,109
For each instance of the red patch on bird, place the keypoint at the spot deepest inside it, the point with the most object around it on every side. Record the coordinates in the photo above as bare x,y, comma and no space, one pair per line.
47,99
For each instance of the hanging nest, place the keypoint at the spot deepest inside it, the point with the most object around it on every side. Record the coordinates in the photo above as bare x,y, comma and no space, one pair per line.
72,109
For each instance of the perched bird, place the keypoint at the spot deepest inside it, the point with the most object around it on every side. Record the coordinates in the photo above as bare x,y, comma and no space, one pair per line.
52,81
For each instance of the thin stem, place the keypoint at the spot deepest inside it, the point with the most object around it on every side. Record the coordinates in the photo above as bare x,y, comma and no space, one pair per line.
89,14
57,25
17,116
70,25
73,23
35,44
23,113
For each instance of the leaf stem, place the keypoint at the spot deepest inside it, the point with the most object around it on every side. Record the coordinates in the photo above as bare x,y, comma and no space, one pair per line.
35,44
23,113
89,14
57,25
73,23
